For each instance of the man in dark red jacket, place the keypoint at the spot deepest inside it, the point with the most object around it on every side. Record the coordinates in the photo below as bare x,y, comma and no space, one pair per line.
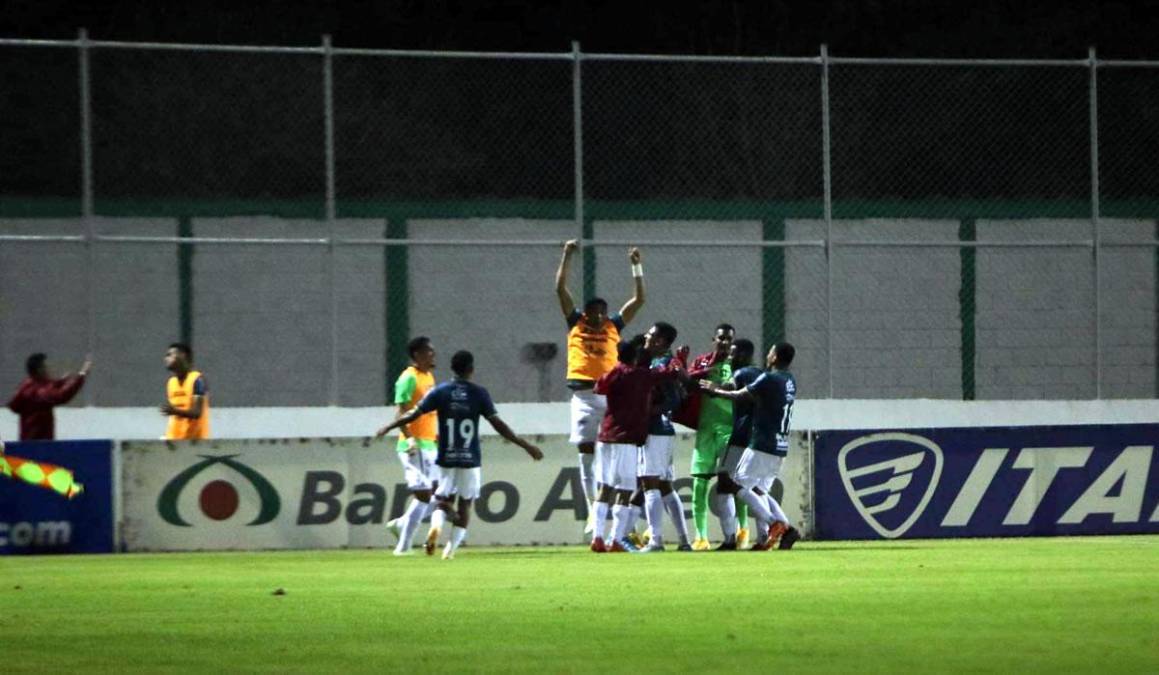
40,393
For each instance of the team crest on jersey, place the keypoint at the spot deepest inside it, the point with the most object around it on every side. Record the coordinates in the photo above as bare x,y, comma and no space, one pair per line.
890,478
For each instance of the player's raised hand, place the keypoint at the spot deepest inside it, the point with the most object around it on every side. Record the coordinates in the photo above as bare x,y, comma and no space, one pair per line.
570,246
682,353
634,256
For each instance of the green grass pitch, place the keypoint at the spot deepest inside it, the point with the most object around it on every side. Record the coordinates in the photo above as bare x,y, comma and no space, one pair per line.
1063,605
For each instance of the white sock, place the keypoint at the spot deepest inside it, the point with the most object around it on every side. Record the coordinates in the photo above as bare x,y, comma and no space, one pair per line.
438,519
676,513
601,518
756,504
762,530
775,509
619,522
726,506
634,514
410,522
431,506
587,476
458,534
654,508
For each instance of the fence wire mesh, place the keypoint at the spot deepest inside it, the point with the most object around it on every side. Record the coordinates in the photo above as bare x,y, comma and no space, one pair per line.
923,231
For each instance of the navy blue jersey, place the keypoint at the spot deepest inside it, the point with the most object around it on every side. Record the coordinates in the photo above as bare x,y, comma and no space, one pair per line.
666,397
459,404
742,411
773,395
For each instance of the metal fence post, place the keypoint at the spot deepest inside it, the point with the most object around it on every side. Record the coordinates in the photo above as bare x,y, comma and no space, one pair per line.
86,153
331,211
578,156
827,175
1094,120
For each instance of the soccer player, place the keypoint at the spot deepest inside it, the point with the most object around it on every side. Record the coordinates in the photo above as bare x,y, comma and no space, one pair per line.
628,388
187,397
655,468
772,396
417,442
743,374
591,352
713,427
459,403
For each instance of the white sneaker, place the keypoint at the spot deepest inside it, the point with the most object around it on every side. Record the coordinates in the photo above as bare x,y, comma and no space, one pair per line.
404,551
394,528
448,552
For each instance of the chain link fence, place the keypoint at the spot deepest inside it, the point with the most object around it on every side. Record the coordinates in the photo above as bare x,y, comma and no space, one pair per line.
918,228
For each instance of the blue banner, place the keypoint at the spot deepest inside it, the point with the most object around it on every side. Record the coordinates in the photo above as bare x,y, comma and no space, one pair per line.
987,482
35,519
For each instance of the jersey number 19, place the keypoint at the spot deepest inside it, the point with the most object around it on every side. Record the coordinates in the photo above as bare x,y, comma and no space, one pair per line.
461,437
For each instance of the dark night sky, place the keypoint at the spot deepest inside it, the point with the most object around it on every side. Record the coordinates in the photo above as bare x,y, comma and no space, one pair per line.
988,28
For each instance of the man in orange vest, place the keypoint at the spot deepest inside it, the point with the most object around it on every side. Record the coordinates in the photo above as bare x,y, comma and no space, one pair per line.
592,339
187,404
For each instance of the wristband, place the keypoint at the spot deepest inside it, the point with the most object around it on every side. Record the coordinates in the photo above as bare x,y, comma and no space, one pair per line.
637,270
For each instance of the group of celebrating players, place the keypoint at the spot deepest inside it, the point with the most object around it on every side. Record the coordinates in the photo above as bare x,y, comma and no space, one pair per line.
626,396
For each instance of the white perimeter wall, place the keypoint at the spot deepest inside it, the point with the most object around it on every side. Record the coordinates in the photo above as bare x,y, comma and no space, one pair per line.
552,418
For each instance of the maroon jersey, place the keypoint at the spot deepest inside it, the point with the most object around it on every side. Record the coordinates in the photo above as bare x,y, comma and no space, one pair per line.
34,401
629,393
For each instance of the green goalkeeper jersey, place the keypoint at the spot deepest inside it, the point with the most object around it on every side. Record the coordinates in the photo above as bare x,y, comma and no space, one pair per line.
716,412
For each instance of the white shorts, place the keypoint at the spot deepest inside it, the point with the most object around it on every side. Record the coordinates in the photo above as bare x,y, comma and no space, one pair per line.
464,483
587,412
756,469
655,457
421,473
615,465
730,460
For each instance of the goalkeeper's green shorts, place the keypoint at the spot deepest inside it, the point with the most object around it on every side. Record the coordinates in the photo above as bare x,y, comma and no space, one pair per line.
711,445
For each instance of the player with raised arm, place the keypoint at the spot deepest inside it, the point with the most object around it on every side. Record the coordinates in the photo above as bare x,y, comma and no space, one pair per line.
628,388
655,467
772,396
458,403
743,374
417,442
591,352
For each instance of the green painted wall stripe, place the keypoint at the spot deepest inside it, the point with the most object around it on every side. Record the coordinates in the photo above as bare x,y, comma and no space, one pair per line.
589,271
396,277
773,274
185,254
967,305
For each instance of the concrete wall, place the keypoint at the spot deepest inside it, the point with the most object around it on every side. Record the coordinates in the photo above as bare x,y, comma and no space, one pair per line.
43,306
261,314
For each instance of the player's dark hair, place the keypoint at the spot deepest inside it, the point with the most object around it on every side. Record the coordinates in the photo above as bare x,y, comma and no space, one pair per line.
593,302
744,349
34,363
462,363
417,344
183,348
785,353
628,351
666,331
726,327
